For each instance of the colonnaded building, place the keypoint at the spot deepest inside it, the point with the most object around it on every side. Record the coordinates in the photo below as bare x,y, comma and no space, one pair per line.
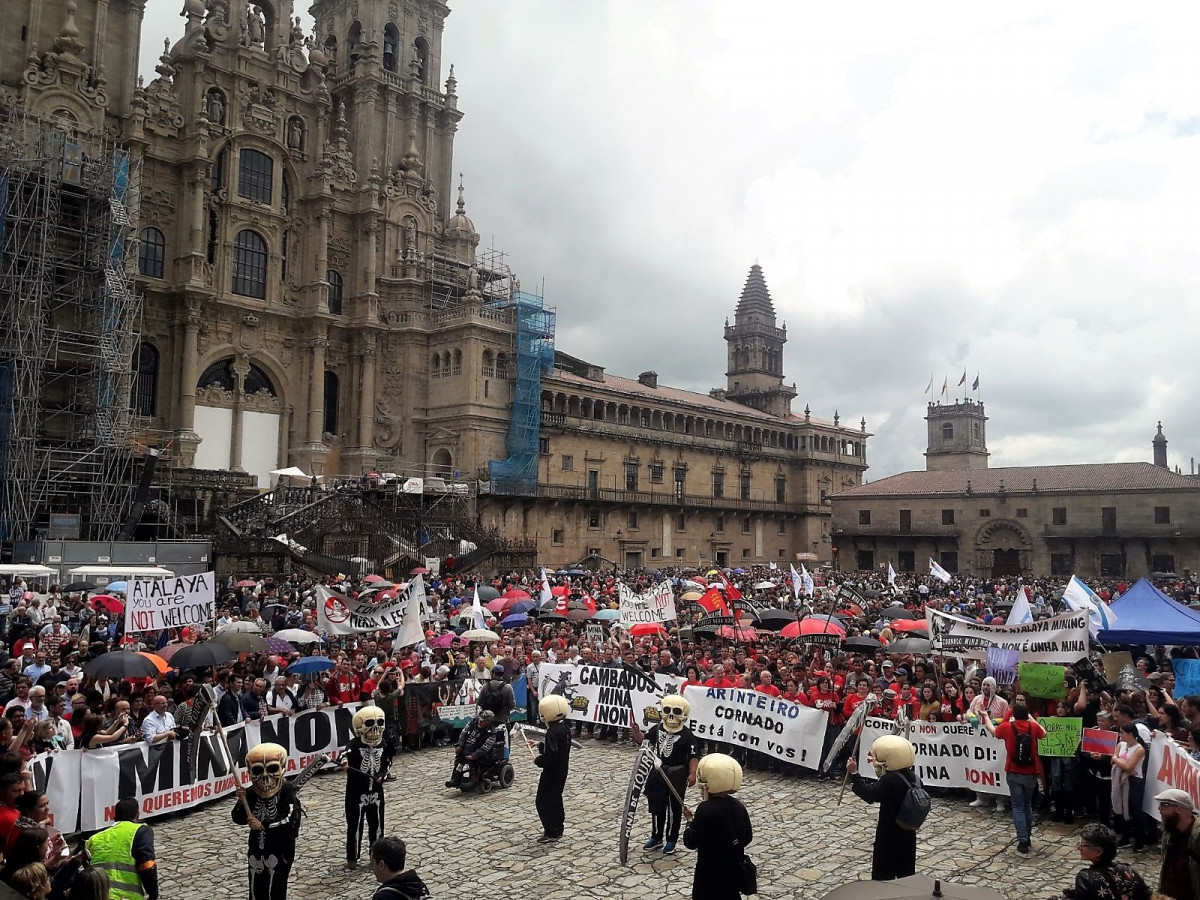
259,261
1118,520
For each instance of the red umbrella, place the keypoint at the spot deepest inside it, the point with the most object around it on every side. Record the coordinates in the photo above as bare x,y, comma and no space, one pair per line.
373,579
560,590
740,633
811,626
446,641
419,570
644,628
909,625
516,594
495,605
108,603
246,582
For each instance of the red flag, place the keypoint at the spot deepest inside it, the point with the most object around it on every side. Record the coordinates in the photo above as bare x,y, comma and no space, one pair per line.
713,601
731,593
561,606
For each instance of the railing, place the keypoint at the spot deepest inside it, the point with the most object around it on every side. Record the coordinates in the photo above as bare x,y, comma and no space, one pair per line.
650,498
893,529
1124,530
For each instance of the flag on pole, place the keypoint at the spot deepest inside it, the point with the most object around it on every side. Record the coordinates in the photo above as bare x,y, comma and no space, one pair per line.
795,582
929,387
807,580
891,576
945,385
963,380
1020,614
1081,598
975,386
477,619
938,572
545,596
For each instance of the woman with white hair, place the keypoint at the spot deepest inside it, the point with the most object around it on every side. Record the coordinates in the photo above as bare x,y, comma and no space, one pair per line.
988,702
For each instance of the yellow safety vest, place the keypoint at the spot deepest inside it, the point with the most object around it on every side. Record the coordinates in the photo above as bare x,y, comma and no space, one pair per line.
112,851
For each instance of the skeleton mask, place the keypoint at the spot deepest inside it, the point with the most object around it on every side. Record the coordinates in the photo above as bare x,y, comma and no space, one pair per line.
891,753
368,725
267,764
718,773
553,708
675,711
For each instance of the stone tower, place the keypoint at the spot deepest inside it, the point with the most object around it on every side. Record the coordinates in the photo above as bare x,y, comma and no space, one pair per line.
755,373
1160,448
957,436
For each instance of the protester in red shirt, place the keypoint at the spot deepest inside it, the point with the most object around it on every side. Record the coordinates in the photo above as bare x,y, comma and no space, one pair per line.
823,696
1020,734
719,680
765,686
862,692
12,786
343,685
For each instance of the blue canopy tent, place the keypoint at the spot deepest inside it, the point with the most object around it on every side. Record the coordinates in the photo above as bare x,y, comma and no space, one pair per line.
1145,615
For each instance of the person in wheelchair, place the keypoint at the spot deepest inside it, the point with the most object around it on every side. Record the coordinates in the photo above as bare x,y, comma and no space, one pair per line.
480,753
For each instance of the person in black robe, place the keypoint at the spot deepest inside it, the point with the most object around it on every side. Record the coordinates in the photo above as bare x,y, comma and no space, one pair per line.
274,821
554,758
895,851
719,830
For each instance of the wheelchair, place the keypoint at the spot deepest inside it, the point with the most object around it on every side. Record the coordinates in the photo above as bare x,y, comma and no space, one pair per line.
495,771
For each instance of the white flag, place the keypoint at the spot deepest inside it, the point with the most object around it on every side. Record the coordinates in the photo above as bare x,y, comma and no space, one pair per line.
938,572
1081,598
411,631
807,580
891,576
545,596
477,611
773,567
795,583
1020,614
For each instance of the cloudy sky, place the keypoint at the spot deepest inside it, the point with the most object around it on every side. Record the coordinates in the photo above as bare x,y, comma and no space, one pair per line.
930,188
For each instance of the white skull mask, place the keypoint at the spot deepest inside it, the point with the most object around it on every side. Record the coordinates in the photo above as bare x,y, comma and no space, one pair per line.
369,723
675,712
267,765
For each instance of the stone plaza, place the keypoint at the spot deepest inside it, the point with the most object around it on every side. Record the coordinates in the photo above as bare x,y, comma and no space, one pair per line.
805,844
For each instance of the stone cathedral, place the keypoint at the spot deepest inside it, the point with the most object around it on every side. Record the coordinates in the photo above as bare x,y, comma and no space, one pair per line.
314,294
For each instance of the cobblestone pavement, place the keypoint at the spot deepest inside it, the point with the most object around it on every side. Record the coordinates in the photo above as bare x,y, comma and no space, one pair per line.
473,845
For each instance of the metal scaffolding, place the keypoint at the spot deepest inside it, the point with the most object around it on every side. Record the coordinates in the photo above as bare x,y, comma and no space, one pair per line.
69,321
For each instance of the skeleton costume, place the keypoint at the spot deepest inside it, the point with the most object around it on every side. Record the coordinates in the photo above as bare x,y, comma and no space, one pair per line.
368,757
676,749
272,848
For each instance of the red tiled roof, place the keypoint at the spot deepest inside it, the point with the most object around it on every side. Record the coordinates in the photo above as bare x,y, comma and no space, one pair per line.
1130,476
665,394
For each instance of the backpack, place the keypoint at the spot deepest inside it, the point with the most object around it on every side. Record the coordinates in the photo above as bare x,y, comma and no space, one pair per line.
914,808
1023,748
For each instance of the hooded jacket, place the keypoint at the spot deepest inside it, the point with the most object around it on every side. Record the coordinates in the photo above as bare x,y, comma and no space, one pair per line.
405,886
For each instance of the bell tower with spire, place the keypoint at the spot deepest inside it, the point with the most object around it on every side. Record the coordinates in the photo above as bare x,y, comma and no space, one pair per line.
755,348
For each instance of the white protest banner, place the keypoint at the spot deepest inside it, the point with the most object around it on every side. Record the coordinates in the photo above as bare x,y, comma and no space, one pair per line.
1169,766
758,721
655,605
606,695
157,774
58,775
153,605
949,754
1062,639
398,611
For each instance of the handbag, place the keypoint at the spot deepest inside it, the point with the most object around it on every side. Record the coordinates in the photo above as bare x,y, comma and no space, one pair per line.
746,869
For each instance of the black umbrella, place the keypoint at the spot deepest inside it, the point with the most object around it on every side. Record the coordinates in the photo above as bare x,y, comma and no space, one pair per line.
195,656
909,645
121,664
862,642
578,572
775,619
79,586
242,641
553,617
899,612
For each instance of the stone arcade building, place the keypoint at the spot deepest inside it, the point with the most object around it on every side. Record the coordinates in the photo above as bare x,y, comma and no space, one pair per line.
313,296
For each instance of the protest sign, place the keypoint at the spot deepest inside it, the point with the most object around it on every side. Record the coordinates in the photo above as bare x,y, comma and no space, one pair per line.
1099,740
1002,664
155,604
948,754
1042,680
1063,734
1169,766
1115,662
58,776
779,728
158,775
655,605
1187,677
595,634
1062,639
607,695
398,611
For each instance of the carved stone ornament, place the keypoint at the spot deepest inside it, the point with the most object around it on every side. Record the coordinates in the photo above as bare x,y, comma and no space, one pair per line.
250,335
214,395
261,401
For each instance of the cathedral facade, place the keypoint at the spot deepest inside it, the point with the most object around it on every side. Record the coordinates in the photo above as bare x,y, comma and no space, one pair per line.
313,295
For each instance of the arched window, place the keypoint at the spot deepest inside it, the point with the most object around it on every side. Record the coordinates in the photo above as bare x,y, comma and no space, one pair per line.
145,382
256,171
422,48
501,365
250,265
331,49
457,370
435,366
331,403
220,374
353,40
391,44
489,364
152,253
442,462
257,381
978,431
947,431
334,277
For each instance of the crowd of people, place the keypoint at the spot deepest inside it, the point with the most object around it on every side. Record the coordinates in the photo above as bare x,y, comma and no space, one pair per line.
50,703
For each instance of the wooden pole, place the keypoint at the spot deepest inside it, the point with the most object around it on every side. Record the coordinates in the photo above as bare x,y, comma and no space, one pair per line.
233,766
